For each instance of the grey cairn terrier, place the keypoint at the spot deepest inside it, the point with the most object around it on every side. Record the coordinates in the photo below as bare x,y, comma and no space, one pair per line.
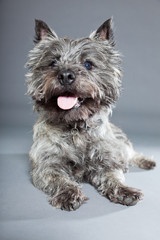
74,85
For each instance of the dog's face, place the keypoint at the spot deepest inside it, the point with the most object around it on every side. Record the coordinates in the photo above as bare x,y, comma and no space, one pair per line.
71,80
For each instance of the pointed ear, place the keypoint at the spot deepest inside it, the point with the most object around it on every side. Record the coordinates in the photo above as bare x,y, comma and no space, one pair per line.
104,32
42,31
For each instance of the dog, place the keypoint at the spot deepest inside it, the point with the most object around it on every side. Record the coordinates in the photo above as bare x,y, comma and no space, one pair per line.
74,85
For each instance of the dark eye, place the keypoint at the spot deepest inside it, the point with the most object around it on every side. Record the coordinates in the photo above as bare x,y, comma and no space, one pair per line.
53,63
88,65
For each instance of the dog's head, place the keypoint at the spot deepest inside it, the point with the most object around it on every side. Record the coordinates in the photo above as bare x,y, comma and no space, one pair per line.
70,80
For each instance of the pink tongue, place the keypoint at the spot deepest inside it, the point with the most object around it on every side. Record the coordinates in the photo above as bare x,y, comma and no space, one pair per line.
66,103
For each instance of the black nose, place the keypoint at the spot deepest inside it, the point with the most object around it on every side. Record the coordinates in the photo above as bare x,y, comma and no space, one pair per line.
66,77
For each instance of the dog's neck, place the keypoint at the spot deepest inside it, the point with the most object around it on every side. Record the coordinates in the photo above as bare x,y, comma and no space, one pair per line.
92,123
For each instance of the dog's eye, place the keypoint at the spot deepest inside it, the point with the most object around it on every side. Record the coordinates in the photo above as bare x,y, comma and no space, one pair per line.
88,65
53,63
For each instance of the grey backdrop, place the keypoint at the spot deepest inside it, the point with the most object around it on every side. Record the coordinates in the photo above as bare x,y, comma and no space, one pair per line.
24,211
138,39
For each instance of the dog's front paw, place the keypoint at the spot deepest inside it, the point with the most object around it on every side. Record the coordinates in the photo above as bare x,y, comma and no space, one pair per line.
126,196
69,199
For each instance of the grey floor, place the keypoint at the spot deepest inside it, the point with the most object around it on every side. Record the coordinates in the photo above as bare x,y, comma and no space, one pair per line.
25,213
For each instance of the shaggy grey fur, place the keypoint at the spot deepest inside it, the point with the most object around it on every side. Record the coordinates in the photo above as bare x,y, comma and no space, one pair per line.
79,144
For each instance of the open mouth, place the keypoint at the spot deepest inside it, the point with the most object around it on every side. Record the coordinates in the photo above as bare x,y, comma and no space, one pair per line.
67,102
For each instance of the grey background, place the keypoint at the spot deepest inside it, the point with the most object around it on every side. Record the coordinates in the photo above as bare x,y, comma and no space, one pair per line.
24,211
138,39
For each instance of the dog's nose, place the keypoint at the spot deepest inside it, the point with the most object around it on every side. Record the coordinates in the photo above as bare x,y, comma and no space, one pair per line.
66,77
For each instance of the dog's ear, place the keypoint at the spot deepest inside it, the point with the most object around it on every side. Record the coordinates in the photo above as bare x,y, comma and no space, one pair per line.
42,31
104,32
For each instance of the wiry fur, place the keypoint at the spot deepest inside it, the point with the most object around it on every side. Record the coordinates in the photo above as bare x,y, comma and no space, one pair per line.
80,144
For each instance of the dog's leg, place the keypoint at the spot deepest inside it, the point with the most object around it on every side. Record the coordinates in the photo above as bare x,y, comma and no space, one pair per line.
51,168
64,193
112,185
141,161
